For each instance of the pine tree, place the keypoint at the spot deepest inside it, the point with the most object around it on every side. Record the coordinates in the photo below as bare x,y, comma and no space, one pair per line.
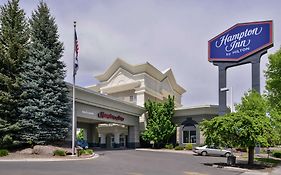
45,105
14,36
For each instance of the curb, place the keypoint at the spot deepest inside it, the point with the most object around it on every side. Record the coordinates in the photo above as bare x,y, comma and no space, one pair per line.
166,151
47,159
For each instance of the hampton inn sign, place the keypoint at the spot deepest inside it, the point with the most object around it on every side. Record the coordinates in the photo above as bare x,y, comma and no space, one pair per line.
241,44
240,41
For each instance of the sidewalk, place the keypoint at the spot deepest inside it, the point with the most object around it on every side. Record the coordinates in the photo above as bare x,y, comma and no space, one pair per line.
275,171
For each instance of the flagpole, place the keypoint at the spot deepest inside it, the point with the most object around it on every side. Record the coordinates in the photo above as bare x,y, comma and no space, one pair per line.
73,98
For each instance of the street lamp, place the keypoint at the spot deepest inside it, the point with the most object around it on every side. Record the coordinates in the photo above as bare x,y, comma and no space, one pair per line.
225,89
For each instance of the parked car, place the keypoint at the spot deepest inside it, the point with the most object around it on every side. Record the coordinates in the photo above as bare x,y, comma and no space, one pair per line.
212,150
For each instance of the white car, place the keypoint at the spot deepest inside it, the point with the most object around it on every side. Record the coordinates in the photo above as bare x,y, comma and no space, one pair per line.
211,150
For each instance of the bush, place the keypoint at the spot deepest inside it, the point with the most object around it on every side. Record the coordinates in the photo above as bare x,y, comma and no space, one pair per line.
188,146
276,154
3,152
59,152
179,148
169,146
85,152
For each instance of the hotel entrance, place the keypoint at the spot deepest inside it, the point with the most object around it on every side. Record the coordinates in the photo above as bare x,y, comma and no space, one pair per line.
108,123
111,141
113,135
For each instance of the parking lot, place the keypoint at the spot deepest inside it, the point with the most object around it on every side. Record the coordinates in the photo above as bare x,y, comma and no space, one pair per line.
123,162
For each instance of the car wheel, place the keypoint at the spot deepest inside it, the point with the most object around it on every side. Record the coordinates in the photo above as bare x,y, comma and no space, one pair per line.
227,154
204,153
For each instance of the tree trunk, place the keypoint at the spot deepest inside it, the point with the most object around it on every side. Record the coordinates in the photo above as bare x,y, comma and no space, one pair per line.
251,154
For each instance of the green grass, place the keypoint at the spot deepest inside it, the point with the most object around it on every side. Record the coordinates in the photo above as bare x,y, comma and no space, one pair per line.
268,161
276,154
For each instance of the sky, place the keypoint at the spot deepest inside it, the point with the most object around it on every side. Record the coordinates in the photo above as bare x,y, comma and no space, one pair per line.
166,33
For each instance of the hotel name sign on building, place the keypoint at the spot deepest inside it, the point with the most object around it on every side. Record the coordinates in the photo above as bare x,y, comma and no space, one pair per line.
240,41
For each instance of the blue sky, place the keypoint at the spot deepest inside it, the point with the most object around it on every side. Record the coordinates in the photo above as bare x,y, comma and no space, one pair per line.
166,33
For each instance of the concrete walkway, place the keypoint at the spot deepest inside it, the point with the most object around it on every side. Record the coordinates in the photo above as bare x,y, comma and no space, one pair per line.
275,171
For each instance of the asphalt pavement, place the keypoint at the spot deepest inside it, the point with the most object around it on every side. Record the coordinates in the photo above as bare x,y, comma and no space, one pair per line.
126,162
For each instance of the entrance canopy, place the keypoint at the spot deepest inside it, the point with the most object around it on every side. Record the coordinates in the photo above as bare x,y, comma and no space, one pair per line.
93,108
98,108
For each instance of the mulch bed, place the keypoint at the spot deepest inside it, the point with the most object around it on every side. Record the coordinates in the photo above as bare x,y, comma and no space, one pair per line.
40,152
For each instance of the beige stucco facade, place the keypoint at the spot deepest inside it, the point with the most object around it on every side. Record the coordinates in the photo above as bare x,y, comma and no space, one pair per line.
120,96
96,113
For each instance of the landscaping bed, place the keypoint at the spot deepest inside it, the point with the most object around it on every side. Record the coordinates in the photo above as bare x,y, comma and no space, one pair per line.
45,152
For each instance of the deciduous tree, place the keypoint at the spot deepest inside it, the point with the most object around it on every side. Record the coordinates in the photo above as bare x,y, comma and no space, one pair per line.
159,123
273,87
248,127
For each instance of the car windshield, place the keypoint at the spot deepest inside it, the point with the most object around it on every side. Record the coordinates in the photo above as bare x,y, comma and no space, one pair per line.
213,147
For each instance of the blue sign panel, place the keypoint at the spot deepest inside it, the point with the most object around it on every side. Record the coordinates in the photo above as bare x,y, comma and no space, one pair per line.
240,41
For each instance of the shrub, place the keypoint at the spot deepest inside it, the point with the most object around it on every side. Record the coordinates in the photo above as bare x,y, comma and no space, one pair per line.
3,152
179,148
59,152
85,152
169,146
276,154
89,151
188,146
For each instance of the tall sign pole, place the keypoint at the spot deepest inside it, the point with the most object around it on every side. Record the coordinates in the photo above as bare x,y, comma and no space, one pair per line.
241,44
75,68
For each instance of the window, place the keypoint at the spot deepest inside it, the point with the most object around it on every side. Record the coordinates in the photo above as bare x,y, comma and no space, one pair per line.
122,141
112,142
192,136
131,98
185,136
189,136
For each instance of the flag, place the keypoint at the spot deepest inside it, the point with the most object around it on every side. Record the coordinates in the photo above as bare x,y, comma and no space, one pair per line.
76,50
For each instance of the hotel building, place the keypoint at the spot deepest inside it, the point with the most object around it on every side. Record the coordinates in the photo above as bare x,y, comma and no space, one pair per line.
112,112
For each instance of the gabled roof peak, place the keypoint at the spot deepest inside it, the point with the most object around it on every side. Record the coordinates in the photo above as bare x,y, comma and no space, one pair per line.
141,68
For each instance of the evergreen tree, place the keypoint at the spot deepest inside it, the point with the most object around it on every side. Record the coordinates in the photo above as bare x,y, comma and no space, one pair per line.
45,104
14,36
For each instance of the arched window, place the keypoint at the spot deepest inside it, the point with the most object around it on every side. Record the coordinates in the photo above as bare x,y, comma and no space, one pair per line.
189,131
189,134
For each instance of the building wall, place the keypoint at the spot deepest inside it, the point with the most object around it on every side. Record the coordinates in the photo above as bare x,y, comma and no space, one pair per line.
137,84
161,89
128,96
184,117
148,85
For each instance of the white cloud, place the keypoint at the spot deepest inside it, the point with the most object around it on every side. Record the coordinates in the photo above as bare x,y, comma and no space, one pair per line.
165,33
